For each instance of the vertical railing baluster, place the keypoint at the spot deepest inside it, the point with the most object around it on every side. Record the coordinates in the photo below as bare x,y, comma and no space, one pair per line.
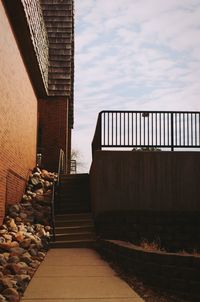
180,132
164,129
199,129
183,129
104,127
140,128
188,133
148,129
116,133
132,126
156,129
108,128
195,133
112,128
144,119
136,126
169,142
160,128
175,129
124,127
120,129
100,131
152,134
128,129
172,131
191,129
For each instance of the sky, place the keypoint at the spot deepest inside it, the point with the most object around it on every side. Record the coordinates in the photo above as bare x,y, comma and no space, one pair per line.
133,55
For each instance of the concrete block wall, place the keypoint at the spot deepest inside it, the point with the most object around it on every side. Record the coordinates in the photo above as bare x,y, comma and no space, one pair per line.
18,118
175,273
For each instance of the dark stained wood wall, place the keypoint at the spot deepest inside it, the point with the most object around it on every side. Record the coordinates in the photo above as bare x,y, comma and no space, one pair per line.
162,181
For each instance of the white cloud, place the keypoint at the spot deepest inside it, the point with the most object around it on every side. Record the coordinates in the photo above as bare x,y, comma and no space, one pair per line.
134,54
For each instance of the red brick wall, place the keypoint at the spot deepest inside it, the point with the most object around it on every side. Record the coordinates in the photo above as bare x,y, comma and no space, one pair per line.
53,122
18,118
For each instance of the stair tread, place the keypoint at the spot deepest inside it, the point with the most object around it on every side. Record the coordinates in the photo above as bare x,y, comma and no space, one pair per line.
83,223
76,234
73,241
75,227
84,215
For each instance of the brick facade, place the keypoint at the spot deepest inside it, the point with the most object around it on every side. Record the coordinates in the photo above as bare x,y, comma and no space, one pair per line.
18,118
36,89
53,115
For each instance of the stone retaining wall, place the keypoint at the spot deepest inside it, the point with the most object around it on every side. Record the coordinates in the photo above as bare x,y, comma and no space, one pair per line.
173,272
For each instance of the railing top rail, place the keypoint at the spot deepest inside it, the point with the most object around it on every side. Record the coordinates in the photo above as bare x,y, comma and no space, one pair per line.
146,111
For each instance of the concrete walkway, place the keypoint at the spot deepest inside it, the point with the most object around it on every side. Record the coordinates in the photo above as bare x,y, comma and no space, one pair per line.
77,275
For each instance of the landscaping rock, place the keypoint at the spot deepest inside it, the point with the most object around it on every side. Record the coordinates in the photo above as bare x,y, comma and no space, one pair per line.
5,282
24,235
2,298
11,295
13,259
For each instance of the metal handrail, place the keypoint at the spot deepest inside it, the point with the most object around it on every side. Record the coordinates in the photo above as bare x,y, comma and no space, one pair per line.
61,164
53,210
56,185
147,129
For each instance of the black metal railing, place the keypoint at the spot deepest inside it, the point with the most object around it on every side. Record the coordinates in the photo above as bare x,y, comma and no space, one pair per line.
56,186
147,129
73,166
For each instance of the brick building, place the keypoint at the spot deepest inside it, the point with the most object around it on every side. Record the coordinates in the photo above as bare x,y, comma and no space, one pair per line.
36,89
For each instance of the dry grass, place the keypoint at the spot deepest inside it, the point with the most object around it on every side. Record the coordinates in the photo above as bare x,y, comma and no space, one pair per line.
155,246
152,246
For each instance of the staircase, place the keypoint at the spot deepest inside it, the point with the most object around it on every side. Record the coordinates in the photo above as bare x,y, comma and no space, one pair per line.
74,195
74,226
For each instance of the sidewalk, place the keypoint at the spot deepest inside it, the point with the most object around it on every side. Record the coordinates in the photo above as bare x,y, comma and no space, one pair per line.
77,275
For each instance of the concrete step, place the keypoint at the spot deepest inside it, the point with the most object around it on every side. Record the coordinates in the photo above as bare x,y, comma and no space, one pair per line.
64,202
74,177
79,216
73,219
74,229
81,222
75,192
64,208
72,199
73,210
76,236
74,181
73,244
